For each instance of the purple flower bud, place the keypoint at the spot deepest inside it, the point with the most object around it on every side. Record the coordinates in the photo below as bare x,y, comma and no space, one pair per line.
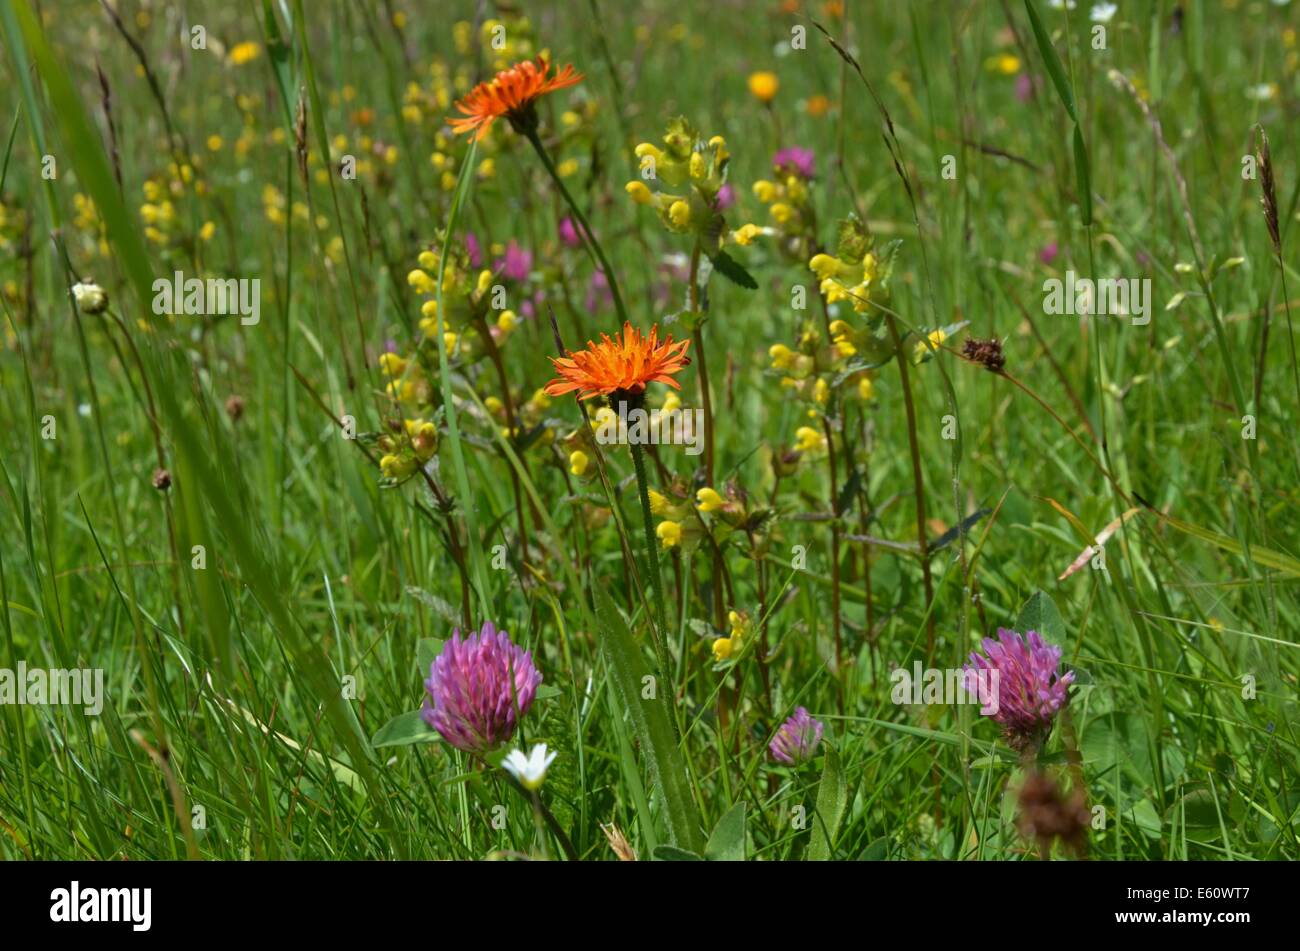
796,739
726,197
569,233
517,264
1030,688
1024,87
794,159
473,249
478,688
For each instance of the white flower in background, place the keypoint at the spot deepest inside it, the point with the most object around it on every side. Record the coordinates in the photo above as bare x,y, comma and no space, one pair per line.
1261,93
530,770
90,297
1102,12
1061,4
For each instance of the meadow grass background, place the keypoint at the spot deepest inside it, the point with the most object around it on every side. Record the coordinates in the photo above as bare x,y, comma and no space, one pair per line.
224,686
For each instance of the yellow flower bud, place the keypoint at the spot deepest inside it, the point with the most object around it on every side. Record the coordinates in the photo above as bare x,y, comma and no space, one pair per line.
391,364
669,533
578,462
679,213
781,212
420,281
808,439
764,191
709,500
782,356
639,193
825,266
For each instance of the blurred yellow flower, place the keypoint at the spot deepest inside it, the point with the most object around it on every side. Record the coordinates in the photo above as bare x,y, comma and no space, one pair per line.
669,533
763,85
244,52
709,500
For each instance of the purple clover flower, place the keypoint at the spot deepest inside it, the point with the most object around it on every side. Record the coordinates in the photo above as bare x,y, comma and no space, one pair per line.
796,739
1031,690
795,159
478,688
517,263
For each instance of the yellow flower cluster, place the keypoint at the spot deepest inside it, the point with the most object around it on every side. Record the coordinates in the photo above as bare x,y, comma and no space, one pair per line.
408,449
726,648
846,280
694,169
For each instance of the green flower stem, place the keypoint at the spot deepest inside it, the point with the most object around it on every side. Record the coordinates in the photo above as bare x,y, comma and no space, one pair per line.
652,559
589,236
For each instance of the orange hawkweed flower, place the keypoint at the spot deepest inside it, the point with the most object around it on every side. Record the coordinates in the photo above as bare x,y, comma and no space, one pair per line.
510,95
614,366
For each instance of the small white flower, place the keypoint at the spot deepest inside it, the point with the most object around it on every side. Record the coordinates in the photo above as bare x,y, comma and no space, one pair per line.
1102,12
1061,4
530,770
1261,93
90,297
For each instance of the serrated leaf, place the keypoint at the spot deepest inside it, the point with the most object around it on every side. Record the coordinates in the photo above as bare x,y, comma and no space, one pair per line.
732,270
852,240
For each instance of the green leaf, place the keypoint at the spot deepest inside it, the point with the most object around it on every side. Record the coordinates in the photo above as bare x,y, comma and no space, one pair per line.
1083,175
1051,60
426,649
1039,614
670,853
852,240
1120,741
832,797
732,270
727,843
1264,556
651,724
405,729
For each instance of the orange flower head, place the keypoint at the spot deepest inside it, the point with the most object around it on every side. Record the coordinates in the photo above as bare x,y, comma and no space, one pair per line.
511,95
620,365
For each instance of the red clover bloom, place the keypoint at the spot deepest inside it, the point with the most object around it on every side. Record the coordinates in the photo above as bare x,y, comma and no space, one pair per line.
1031,688
478,688
796,739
